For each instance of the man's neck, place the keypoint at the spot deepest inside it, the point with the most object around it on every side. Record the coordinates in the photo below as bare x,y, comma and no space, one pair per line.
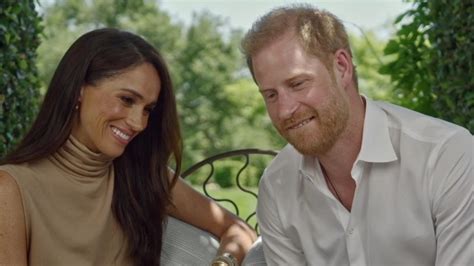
338,161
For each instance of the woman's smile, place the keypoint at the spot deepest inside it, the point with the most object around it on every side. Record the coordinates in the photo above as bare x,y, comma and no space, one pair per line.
121,136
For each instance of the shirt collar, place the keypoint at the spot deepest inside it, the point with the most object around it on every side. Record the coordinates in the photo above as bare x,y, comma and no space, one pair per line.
308,166
376,142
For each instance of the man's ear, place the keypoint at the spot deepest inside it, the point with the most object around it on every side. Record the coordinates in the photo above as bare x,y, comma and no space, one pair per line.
343,67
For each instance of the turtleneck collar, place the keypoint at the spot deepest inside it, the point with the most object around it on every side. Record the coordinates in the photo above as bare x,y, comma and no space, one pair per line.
74,157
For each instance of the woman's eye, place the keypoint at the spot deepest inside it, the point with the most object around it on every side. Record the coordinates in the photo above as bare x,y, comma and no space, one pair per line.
127,100
148,110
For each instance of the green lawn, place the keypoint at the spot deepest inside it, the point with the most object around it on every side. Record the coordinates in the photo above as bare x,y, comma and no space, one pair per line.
245,202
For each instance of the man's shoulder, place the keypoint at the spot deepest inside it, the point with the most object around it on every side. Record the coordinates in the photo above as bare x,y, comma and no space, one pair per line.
287,159
281,178
417,126
284,167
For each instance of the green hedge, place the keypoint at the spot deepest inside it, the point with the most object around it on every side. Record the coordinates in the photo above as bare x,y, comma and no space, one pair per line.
434,71
452,60
19,86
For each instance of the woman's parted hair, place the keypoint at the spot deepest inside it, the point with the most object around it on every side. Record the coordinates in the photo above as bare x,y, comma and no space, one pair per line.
320,32
142,183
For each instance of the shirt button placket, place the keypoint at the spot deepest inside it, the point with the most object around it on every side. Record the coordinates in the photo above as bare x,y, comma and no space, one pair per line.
350,231
354,247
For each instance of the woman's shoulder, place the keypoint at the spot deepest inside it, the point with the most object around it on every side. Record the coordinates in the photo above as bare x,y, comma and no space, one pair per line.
12,221
23,176
9,192
18,170
6,181
9,168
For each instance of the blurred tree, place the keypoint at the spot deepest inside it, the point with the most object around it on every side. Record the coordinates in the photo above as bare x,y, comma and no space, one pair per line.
250,123
207,64
367,49
66,20
19,86
433,70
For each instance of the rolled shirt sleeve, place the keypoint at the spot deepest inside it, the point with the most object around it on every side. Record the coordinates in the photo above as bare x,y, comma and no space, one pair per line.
278,248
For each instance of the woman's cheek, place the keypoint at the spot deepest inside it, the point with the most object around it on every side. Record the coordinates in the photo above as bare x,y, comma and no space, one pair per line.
112,108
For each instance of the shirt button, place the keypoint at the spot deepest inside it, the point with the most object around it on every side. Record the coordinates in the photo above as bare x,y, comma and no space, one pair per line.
350,231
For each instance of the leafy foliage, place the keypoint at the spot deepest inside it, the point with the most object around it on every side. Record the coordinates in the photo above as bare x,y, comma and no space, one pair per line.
66,20
434,70
452,36
206,65
368,55
19,85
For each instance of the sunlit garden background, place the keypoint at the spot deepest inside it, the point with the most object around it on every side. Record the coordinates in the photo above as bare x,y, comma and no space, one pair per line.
426,64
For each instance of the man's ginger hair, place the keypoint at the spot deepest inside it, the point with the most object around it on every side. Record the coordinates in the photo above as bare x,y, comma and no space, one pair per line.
320,33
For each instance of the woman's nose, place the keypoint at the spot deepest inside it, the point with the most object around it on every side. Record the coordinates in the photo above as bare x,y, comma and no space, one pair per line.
136,120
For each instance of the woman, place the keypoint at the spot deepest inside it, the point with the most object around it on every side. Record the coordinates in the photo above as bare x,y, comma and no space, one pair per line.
90,184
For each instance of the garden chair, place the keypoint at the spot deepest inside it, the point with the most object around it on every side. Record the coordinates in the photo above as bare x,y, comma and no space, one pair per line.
184,244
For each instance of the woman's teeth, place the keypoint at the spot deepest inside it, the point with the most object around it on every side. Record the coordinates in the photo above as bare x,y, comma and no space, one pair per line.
120,134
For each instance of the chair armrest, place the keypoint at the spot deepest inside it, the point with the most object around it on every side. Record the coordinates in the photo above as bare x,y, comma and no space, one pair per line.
184,244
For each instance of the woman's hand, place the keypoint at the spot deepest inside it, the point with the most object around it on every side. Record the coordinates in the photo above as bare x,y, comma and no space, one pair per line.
190,206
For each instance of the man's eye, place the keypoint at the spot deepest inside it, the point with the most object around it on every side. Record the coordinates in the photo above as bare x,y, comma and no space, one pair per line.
298,84
270,96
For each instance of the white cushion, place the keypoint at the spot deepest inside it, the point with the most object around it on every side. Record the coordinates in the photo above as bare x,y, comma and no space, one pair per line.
184,244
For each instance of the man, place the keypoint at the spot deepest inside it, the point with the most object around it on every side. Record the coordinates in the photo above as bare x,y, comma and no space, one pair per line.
360,182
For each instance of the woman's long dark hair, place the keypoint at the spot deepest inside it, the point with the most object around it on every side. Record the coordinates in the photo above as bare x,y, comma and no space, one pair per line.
142,183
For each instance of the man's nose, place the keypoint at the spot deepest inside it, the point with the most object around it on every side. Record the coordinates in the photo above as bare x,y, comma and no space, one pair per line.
287,105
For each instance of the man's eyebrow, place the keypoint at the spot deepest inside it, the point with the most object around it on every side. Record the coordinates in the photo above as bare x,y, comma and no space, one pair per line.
289,81
297,77
262,90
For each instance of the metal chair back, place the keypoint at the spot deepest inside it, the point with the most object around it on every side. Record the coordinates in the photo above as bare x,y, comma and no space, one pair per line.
244,154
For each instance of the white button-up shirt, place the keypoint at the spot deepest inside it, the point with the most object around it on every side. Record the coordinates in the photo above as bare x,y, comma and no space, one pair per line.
413,203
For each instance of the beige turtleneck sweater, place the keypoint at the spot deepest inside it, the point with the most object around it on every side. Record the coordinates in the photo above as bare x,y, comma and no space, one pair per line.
67,201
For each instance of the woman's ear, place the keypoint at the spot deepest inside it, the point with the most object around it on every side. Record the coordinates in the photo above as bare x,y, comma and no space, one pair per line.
81,93
344,67
78,104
